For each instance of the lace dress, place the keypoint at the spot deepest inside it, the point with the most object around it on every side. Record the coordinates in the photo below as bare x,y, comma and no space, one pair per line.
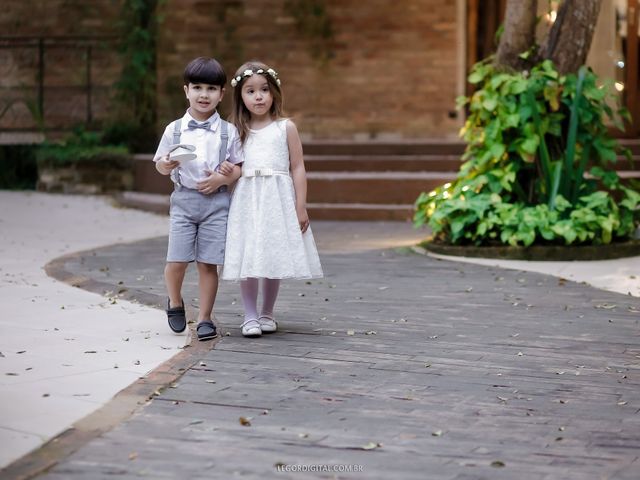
263,236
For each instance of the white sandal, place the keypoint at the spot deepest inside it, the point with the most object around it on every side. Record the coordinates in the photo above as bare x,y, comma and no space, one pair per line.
267,324
251,328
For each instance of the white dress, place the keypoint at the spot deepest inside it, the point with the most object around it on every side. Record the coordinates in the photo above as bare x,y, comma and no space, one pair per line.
263,235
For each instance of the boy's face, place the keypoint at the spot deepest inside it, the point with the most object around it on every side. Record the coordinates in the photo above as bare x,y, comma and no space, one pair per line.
203,99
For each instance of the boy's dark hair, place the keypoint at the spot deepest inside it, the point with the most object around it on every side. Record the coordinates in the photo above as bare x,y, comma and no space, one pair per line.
205,70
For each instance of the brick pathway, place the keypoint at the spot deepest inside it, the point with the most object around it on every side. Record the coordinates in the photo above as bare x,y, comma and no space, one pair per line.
395,365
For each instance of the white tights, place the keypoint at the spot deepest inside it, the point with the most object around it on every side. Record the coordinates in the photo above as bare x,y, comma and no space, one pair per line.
249,290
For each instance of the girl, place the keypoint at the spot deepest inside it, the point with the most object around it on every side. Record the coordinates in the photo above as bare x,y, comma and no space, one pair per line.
268,234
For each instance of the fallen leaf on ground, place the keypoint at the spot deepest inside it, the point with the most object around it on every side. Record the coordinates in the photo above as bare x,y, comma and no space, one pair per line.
371,446
497,463
244,421
606,306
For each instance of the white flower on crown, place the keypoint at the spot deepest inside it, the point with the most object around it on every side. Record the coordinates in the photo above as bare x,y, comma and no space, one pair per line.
248,73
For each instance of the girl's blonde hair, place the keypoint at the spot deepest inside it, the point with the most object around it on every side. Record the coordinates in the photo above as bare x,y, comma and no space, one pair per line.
240,115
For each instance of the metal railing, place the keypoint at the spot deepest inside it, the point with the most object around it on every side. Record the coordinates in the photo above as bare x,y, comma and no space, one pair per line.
14,90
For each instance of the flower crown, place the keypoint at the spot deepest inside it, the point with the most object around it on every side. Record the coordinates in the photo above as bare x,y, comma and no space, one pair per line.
248,72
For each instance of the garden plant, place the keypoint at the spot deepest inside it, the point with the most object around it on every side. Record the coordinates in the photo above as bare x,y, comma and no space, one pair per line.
539,164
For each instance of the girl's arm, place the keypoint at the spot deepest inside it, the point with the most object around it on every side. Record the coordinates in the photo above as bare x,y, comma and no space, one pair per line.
299,174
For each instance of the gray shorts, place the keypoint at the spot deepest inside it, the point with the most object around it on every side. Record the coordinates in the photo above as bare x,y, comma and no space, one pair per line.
198,226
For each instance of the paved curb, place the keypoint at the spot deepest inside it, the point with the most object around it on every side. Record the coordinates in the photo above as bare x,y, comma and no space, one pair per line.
550,253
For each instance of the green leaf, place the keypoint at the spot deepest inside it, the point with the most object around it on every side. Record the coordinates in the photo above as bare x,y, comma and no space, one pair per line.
490,103
530,145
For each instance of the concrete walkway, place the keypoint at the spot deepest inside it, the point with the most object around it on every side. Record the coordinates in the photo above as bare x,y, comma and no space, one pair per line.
394,364
65,352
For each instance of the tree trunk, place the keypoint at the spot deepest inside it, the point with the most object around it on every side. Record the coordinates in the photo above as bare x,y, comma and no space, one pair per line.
569,39
518,35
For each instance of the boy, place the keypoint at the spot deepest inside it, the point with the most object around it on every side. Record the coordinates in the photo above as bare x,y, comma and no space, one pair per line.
200,202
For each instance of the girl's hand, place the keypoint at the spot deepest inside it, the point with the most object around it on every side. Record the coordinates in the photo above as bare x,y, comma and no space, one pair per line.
303,219
166,166
226,168
210,184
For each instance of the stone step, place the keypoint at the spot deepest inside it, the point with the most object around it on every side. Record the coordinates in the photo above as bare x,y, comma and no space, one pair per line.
360,180
360,211
149,202
632,144
159,203
399,147
409,147
377,163
409,163
372,187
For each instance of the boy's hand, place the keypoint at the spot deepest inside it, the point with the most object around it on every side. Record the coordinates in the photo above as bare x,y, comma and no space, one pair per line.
226,168
210,184
166,166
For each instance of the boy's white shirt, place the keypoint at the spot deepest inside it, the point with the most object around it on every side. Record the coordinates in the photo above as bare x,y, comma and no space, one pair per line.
207,143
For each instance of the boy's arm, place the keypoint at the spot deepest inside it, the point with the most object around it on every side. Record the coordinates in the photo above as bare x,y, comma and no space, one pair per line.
166,166
161,157
215,180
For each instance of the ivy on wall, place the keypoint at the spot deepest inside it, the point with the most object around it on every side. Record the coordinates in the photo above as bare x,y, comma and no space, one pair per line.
135,91
314,23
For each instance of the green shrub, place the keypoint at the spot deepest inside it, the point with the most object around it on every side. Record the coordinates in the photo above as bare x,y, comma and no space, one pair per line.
81,147
531,137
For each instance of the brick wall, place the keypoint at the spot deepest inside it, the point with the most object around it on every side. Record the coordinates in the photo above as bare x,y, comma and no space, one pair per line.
387,70
391,73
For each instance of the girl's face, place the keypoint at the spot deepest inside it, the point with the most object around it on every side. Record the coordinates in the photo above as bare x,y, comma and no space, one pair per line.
203,99
256,95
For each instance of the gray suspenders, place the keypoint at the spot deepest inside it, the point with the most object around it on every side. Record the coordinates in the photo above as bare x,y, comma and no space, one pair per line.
222,154
176,140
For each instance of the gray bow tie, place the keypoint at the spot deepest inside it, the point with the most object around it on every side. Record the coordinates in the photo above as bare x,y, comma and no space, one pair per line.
193,125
